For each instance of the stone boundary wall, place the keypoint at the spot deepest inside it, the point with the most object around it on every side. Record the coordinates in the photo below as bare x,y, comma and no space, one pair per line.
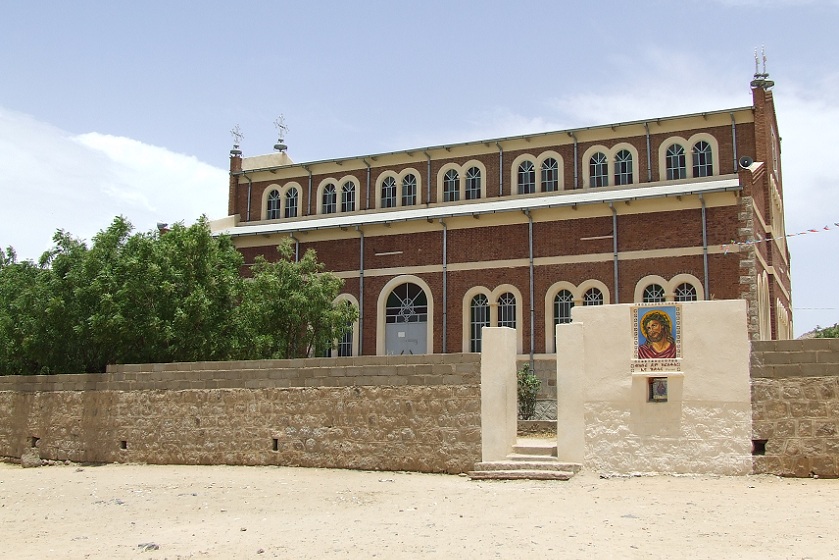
795,407
418,413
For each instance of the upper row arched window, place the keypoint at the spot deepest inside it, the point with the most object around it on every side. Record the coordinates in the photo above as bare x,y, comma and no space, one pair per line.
622,169
334,199
281,202
537,174
398,190
691,158
461,182
604,167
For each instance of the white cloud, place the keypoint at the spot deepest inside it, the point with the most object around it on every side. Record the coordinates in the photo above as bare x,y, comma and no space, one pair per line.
54,180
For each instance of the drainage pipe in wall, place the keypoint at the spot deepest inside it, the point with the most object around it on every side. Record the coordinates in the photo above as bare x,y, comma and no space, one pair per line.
734,142
532,307
309,203
367,201
576,165
649,155
250,188
615,248
705,246
360,292
445,290
500,169
428,182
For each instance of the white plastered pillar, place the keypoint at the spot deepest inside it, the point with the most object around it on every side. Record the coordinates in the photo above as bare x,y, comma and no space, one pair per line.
499,407
570,409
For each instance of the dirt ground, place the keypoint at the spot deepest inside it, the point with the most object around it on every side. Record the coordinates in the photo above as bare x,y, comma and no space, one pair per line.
175,512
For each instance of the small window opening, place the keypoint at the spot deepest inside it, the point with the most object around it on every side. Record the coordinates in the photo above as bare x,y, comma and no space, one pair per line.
123,444
276,445
658,389
759,446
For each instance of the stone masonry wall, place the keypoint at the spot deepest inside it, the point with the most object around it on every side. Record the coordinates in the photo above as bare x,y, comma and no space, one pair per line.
795,407
418,413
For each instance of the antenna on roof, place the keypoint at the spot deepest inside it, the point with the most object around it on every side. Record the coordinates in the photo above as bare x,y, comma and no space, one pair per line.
282,130
761,79
237,135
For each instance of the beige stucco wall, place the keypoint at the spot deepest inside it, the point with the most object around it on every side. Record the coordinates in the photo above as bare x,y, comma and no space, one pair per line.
704,427
418,413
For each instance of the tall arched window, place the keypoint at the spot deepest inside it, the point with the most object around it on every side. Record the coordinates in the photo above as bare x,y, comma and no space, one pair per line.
563,303
291,203
527,178
653,294
348,197
409,190
623,168
273,205
685,292
507,310
451,186
675,159
702,159
478,318
473,183
599,170
550,175
330,200
593,296
389,192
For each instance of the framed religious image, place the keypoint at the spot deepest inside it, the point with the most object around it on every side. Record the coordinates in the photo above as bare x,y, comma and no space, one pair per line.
657,333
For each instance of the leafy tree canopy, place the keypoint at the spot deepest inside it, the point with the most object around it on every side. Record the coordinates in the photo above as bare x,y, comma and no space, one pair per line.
828,332
160,297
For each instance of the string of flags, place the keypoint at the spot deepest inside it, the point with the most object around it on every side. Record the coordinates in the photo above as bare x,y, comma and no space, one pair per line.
760,239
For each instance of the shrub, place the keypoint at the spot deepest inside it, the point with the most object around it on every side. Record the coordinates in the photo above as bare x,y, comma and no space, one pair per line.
528,388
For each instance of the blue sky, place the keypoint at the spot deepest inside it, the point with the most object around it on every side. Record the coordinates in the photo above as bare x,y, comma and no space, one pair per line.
113,108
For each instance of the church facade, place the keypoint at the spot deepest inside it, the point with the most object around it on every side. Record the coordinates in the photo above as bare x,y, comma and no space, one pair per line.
434,243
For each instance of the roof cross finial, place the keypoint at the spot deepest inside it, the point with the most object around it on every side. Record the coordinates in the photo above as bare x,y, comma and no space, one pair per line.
237,135
282,130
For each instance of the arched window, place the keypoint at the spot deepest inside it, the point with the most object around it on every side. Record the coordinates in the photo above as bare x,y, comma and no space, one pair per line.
389,192
451,186
702,159
291,203
550,175
685,292
348,197
507,310
593,296
653,294
563,303
478,318
273,205
623,168
329,203
409,190
527,178
473,183
675,159
599,170
407,303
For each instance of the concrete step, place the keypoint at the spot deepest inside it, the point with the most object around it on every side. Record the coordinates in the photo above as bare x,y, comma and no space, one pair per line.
536,447
527,466
520,475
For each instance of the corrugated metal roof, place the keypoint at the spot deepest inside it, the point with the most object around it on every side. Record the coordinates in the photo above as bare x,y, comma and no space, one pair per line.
515,204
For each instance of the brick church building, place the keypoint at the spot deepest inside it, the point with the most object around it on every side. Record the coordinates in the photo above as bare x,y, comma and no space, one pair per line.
433,243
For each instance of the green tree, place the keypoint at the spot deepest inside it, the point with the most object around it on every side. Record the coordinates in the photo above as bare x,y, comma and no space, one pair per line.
828,332
288,308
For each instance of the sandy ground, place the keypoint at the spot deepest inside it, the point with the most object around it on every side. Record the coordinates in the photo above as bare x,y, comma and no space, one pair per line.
174,512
